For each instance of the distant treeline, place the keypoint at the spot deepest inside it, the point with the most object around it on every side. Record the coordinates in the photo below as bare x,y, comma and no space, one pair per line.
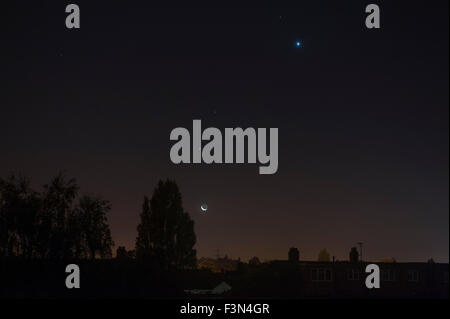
57,223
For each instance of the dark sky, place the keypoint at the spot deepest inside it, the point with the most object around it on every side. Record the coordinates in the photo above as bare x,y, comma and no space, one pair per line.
363,118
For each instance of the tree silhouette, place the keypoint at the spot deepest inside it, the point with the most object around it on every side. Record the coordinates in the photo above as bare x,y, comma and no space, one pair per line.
324,255
166,232
48,224
185,255
19,208
144,241
57,201
95,234
121,253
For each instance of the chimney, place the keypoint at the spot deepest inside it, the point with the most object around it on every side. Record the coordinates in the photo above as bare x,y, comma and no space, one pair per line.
354,255
294,255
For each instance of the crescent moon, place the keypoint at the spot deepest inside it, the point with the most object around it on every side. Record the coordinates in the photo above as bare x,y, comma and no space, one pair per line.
204,208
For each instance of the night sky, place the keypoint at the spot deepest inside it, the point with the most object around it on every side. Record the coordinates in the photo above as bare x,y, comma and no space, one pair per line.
363,118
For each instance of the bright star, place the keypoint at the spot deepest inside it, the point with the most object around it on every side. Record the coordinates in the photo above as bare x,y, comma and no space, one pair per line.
298,44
